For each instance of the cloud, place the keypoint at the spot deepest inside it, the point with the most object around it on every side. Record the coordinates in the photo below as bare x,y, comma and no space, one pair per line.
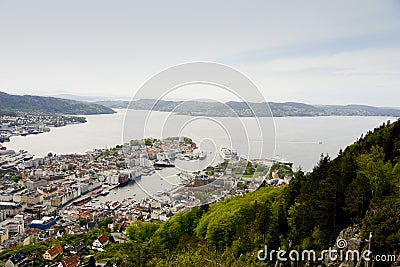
101,47
369,76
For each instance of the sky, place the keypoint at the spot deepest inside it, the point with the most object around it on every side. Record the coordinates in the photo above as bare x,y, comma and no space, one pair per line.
317,52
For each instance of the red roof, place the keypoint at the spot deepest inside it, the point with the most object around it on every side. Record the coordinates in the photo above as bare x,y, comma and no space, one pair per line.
71,262
55,250
103,239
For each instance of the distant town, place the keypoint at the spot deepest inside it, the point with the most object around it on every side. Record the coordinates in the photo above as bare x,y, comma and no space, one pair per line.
20,123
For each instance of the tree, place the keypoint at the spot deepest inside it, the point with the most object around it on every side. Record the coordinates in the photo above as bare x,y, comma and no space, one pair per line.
92,262
148,141
188,140
141,231
104,223
372,166
83,222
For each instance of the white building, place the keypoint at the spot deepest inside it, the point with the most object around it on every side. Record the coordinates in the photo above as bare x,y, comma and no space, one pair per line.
100,243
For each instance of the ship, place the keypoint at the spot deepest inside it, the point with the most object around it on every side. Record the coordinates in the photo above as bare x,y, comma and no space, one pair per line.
111,205
226,153
82,201
163,164
33,131
97,192
123,180
9,167
28,156
278,160
202,155
105,192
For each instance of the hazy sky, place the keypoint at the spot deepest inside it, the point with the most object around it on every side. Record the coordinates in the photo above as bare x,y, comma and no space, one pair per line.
328,52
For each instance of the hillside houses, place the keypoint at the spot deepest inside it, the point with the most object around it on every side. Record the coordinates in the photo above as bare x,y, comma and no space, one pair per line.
70,262
53,252
17,260
100,243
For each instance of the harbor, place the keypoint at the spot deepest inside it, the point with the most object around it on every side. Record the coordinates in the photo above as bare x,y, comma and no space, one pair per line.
49,183
139,180
20,123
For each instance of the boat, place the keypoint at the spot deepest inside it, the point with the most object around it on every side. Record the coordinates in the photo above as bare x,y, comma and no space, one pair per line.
202,155
105,192
163,164
281,161
226,153
10,167
28,156
185,157
82,201
111,205
97,192
123,180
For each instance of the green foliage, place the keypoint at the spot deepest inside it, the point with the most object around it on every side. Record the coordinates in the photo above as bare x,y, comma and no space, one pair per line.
247,217
83,222
141,231
135,142
241,185
250,169
281,169
15,178
148,141
104,223
177,229
188,140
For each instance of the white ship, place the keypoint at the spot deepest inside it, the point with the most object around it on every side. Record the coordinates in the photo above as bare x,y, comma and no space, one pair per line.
226,153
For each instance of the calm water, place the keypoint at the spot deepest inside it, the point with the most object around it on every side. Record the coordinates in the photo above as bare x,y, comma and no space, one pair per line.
298,139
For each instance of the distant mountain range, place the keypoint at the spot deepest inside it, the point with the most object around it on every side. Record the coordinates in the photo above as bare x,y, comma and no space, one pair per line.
50,104
88,105
241,109
87,98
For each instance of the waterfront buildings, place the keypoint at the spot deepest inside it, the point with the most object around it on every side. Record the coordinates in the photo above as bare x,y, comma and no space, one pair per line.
58,194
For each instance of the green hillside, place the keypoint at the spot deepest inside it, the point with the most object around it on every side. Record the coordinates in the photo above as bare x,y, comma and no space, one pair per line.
50,104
